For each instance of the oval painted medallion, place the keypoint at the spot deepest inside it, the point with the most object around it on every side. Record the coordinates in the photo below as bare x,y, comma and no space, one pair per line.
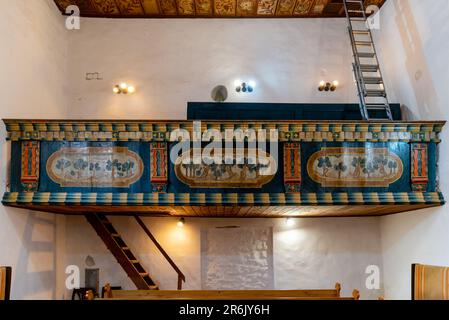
100,167
250,172
355,167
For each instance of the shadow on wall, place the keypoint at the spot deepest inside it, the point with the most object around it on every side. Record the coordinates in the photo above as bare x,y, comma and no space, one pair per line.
36,267
416,64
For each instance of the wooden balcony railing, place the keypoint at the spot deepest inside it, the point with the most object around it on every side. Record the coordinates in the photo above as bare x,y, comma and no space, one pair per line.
181,276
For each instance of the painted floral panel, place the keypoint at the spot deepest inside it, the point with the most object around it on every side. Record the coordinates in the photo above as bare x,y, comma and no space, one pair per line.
266,7
186,7
303,7
246,173
225,7
94,167
355,167
285,7
203,7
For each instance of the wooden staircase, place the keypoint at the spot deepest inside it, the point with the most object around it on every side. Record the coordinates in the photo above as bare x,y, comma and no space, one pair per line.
121,251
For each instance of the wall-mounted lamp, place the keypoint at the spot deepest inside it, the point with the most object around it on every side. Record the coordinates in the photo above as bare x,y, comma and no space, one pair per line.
289,222
241,86
124,88
328,86
181,222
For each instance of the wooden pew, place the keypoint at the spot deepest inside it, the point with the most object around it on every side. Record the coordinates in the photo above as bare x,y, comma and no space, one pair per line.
5,283
430,282
320,294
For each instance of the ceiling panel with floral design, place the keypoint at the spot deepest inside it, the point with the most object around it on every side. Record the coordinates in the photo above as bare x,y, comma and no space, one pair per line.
210,8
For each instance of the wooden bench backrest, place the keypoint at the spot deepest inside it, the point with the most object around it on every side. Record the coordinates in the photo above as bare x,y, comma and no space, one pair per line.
430,282
321,294
5,282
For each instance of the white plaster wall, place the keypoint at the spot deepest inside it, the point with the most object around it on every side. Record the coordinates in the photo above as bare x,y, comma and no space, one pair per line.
237,258
413,44
171,62
174,61
313,253
33,60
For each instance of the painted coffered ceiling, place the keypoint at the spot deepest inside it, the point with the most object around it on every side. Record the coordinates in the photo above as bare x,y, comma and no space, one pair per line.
209,8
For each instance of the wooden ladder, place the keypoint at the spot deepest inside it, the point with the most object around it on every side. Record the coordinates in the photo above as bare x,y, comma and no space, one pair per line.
373,98
121,251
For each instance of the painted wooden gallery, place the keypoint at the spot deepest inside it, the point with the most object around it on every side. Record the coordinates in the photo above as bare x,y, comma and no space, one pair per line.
345,171
205,168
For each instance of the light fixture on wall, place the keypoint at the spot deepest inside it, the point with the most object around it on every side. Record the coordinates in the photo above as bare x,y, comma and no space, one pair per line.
181,222
289,222
241,86
123,88
328,86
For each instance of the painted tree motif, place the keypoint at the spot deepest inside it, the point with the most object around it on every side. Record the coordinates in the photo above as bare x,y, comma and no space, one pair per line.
94,168
340,168
127,167
357,163
63,164
381,161
79,165
324,163
393,166
370,168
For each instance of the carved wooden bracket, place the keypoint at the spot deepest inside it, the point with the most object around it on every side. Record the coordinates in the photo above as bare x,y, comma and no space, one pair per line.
159,166
30,165
419,167
292,167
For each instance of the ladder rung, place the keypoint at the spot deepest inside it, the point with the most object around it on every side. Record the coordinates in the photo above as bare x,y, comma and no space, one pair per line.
153,287
376,107
363,43
366,54
115,235
134,261
144,274
358,2
360,31
369,67
125,248
373,80
375,93
356,11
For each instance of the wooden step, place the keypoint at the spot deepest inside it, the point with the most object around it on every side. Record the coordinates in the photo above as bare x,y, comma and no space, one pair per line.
121,251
